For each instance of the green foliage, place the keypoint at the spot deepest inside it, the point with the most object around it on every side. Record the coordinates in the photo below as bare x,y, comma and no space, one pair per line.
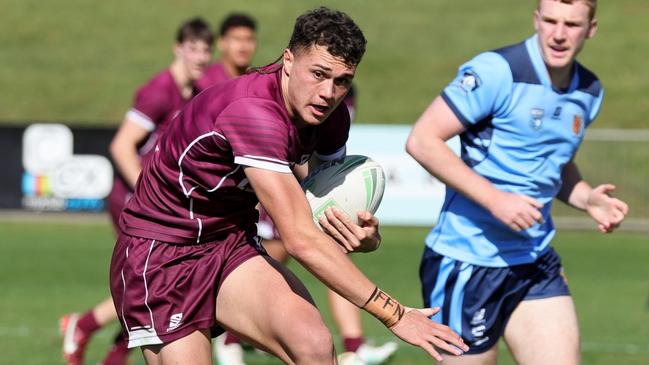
48,269
81,61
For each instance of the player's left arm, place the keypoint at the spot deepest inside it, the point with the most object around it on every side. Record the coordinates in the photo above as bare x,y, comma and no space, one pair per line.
607,211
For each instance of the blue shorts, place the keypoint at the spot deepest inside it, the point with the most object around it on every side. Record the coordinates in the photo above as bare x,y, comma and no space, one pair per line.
477,301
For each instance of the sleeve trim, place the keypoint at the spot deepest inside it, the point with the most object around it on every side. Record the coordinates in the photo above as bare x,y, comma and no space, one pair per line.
455,110
140,119
263,163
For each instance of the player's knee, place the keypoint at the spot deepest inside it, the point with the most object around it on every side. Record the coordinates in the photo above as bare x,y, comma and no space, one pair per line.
315,345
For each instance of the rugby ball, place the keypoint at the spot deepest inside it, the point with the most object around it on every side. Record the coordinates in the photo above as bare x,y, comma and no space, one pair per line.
352,184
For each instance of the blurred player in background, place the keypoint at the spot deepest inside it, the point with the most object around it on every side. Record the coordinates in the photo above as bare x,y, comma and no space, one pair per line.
237,44
155,104
521,112
189,233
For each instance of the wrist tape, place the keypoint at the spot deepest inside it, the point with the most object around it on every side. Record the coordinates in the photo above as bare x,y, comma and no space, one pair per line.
384,308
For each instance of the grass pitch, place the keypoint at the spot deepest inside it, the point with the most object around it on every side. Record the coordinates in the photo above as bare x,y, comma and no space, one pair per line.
47,269
81,61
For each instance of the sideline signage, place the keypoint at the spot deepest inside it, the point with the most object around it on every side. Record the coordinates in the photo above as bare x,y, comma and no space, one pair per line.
52,167
55,179
412,196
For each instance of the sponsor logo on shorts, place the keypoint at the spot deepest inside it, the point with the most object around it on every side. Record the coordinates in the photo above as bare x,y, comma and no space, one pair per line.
478,327
174,321
478,317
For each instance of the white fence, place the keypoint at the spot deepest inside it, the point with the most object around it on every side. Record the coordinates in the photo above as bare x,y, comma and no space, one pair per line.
413,197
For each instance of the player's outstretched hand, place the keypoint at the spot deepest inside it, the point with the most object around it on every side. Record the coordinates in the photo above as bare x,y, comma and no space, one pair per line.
417,329
518,212
352,237
606,210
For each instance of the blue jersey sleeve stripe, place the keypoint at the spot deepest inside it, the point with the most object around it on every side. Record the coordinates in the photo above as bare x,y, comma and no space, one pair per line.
465,122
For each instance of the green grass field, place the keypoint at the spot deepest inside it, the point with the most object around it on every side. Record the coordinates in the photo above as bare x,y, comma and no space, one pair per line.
47,269
80,61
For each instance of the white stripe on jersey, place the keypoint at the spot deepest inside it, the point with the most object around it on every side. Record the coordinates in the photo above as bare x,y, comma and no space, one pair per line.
223,179
189,192
140,119
182,156
262,164
266,159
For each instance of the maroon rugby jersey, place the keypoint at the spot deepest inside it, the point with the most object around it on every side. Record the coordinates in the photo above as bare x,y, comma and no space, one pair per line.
194,190
155,104
214,74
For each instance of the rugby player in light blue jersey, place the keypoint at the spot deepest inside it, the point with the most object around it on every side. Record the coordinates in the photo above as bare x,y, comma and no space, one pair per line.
521,112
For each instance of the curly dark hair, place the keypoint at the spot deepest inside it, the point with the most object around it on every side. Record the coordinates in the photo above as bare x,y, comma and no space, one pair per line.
234,20
332,29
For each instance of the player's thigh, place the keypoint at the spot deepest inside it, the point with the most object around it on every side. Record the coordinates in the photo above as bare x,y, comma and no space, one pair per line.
489,357
262,301
194,349
544,331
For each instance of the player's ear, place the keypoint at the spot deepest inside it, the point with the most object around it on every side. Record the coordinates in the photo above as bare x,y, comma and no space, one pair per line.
177,49
287,60
536,19
593,28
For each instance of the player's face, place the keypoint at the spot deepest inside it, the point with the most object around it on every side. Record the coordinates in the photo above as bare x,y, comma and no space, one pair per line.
237,46
562,29
195,55
315,83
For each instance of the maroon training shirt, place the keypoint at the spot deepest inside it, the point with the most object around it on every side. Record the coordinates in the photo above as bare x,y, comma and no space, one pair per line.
214,74
193,188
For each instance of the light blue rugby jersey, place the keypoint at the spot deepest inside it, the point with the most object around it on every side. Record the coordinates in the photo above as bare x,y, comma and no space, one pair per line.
520,133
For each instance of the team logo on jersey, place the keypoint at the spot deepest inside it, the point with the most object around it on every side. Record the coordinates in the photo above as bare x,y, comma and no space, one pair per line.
557,113
470,81
576,124
537,118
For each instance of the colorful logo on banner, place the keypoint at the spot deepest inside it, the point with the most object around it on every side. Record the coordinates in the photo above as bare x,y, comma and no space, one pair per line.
55,179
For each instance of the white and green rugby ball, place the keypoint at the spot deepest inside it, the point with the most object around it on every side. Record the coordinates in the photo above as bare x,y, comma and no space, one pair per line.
353,184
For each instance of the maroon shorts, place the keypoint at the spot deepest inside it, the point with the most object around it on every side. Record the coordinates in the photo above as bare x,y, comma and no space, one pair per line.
163,291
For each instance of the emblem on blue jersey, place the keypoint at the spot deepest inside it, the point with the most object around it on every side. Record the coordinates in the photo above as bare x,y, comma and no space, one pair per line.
557,113
470,81
576,124
537,118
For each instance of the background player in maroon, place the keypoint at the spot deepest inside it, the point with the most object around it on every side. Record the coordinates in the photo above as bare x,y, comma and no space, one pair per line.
154,105
188,257
236,44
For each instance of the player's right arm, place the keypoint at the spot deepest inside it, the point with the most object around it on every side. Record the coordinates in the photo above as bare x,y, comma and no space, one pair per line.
123,149
151,104
427,145
479,91
284,200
